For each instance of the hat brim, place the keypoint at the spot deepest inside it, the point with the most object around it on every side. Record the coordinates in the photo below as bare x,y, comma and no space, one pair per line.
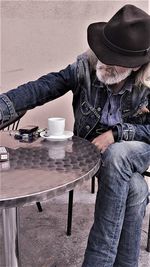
108,56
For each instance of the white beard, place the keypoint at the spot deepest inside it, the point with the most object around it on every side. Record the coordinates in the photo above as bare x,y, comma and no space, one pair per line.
111,74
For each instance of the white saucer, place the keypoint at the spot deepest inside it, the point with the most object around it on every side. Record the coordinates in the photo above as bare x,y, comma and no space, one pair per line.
65,136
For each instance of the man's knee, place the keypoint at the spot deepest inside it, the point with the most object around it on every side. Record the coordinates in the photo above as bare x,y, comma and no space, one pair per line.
121,160
127,156
138,190
116,154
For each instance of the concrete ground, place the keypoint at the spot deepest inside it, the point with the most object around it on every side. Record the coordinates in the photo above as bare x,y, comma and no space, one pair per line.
43,238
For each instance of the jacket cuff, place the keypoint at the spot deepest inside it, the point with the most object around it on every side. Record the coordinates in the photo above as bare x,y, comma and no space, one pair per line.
7,111
126,131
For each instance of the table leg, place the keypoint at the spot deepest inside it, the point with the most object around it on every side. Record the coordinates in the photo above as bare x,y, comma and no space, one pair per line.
11,238
93,185
70,207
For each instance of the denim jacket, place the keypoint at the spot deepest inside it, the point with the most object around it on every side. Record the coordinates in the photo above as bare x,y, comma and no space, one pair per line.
89,98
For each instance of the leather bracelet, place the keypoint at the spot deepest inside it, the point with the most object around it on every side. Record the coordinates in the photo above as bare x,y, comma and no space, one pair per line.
115,133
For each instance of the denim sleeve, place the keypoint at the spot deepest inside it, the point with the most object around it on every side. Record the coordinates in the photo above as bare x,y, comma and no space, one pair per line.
36,93
46,88
137,132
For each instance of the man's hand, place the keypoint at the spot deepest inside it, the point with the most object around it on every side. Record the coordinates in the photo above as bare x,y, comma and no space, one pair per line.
104,140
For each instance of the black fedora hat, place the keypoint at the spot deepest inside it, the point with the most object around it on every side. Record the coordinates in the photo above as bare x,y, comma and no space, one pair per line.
124,40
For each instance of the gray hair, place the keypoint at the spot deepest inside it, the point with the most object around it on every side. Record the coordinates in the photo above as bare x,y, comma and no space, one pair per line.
143,75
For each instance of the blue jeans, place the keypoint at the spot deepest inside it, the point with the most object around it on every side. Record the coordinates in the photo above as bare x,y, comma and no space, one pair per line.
114,239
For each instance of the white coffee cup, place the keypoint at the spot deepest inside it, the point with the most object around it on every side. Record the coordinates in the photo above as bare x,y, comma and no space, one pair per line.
56,126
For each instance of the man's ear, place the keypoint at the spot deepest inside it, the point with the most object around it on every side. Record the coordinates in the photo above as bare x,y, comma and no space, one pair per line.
137,68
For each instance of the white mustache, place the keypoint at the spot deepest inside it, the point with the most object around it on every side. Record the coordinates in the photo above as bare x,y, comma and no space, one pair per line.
109,74
108,70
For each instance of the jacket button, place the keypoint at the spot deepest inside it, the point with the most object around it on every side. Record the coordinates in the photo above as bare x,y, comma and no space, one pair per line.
88,127
98,109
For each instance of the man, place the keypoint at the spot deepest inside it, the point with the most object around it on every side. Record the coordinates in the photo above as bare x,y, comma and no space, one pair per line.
111,102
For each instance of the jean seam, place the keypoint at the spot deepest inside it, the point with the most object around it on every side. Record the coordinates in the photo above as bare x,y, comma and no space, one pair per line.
110,248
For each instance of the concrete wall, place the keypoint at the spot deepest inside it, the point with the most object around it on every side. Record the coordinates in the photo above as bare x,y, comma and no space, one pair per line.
43,36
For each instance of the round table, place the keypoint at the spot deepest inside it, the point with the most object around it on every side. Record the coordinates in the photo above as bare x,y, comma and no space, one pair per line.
36,172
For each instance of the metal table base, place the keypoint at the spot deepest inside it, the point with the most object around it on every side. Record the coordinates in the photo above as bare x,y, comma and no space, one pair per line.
11,236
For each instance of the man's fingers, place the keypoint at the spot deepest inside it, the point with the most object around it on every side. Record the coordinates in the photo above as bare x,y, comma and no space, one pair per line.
98,145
